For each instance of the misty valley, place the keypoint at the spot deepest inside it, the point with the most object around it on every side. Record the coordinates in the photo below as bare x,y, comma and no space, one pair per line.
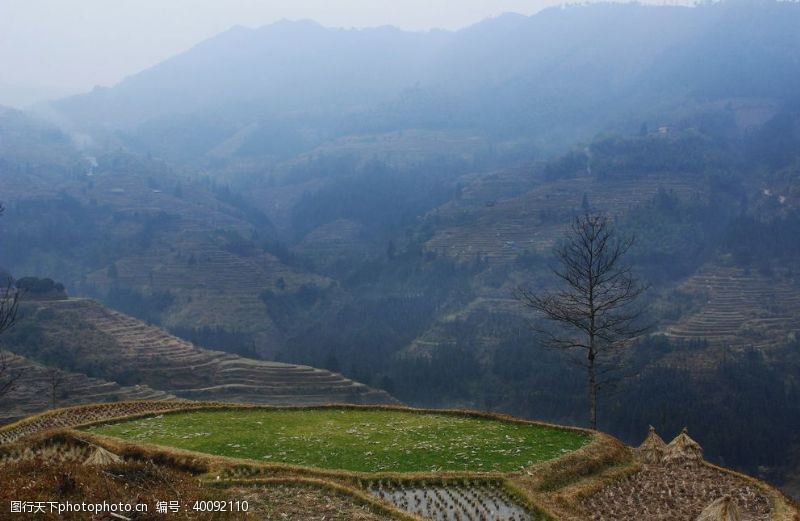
384,274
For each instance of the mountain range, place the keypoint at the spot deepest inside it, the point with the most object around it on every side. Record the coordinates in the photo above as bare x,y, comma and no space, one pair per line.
368,201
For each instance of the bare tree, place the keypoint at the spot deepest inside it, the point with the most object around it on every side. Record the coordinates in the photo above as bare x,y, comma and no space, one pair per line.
594,309
8,374
55,379
9,303
9,300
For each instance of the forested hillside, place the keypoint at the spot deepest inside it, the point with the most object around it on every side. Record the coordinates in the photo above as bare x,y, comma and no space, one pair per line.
376,218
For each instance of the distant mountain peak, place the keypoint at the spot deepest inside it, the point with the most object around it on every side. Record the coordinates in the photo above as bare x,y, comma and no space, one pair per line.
293,25
602,59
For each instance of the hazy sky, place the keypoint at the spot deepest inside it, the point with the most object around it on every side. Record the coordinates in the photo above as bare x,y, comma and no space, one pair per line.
50,48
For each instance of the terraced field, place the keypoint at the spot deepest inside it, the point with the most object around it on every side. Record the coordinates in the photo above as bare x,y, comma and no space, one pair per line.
651,489
212,287
175,366
453,503
127,185
485,190
502,229
304,501
420,444
33,391
740,308
83,414
675,483
573,475
333,240
131,185
181,232
356,440
481,310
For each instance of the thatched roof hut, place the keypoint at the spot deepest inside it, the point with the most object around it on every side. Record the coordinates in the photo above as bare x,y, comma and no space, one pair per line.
723,509
101,457
683,449
652,448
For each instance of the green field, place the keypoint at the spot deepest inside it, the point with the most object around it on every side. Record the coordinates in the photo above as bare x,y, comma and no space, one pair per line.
358,440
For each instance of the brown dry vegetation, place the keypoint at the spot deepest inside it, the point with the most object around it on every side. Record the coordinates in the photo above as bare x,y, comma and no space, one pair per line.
33,390
558,485
41,479
80,415
52,466
166,362
299,503
602,480
163,366
661,493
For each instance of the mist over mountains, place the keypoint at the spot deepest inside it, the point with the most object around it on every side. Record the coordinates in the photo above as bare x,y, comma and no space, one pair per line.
549,78
368,201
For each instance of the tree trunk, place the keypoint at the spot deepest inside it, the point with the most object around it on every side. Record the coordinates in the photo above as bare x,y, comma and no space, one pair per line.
592,393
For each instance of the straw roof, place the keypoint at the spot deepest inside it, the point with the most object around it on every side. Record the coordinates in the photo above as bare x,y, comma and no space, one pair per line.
683,449
652,448
101,457
723,509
